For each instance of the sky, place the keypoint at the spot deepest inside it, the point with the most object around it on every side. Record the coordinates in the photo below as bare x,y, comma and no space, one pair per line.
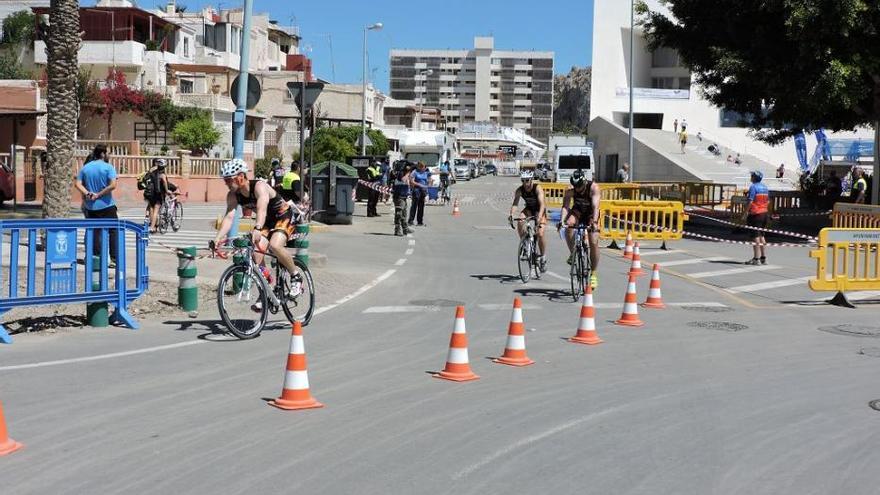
561,26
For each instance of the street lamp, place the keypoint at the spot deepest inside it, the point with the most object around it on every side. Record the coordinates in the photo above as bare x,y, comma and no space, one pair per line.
372,27
632,25
422,97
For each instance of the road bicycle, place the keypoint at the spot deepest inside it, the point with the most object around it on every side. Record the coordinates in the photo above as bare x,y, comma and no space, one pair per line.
170,214
581,269
246,293
444,195
528,254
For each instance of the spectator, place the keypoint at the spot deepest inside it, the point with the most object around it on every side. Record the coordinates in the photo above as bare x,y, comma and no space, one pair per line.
96,181
683,137
156,191
859,187
675,126
421,177
757,217
290,184
737,160
623,173
730,159
402,184
684,124
833,190
780,172
385,167
714,149
700,136
277,173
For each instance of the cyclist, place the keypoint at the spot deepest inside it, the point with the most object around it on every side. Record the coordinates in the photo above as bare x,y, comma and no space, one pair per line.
580,206
444,178
157,191
535,206
274,223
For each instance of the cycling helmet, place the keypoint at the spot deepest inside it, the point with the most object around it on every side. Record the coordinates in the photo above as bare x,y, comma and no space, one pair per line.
757,175
159,162
276,161
578,177
526,175
233,167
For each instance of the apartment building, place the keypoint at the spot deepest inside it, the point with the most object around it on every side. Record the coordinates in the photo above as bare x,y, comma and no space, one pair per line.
482,84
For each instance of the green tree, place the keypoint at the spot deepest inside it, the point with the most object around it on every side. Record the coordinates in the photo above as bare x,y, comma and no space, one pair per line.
18,28
790,65
10,68
196,134
340,143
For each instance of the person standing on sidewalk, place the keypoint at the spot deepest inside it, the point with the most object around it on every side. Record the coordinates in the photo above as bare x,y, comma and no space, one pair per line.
757,211
675,126
402,182
374,177
421,178
96,181
683,138
859,187
623,174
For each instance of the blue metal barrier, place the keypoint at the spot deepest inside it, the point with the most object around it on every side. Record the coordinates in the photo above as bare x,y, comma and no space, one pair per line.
62,284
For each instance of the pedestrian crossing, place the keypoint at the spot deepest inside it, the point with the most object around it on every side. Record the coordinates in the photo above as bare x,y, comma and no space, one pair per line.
191,211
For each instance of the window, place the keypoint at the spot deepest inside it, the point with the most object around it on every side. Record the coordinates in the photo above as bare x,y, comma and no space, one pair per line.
147,133
186,87
186,46
664,57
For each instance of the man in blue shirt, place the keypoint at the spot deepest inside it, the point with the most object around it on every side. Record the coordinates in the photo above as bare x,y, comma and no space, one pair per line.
421,177
96,181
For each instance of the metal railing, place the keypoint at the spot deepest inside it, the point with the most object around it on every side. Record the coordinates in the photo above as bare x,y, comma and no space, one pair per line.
206,167
136,165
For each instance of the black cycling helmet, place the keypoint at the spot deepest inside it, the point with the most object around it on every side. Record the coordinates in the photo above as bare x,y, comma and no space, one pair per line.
578,178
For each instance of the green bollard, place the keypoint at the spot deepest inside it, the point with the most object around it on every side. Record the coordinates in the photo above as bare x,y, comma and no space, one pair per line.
187,290
238,259
97,313
302,245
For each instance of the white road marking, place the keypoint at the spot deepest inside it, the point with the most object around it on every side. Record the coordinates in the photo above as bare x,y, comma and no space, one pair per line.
376,281
659,252
412,242
400,262
768,285
102,356
693,261
556,275
408,252
733,271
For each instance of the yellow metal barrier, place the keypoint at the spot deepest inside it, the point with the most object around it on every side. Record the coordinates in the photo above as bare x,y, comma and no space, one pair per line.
553,193
848,259
618,217
614,191
855,216
707,194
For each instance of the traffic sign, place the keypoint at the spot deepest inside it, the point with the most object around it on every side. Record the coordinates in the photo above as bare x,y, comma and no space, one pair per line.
253,92
313,89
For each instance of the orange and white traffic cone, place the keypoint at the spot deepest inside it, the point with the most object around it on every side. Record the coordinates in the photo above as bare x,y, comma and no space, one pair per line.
636,267
7,445
630,315
295,392
655,298
455,211
515,349
458,368
586,331
628,247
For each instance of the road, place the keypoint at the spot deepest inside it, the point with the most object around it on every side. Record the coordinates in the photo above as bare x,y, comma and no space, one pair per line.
740,388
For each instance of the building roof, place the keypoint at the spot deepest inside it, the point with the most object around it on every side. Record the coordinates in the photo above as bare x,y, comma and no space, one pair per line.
200,68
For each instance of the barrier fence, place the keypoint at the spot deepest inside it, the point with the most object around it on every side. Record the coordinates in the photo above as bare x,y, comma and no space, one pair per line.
646,220
855,216
61,281
136,165
702,194
847,260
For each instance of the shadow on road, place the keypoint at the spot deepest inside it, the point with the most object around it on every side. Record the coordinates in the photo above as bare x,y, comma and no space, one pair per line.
501,278
379,233
552,295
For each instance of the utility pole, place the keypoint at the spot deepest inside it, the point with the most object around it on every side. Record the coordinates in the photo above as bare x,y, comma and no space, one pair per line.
372,27
240,115
632,37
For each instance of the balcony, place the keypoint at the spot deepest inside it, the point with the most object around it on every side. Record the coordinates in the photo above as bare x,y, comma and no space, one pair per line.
119,53
208,101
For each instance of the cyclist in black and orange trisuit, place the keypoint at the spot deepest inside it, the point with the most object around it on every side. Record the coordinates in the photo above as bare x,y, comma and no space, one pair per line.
533,196
274,224
580,206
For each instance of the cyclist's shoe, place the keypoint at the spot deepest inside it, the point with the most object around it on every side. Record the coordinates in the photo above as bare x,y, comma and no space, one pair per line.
594,281
763,260
543,264
753,261
398,233
257,307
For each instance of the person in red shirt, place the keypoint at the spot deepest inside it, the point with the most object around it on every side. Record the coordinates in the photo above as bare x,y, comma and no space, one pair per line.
758,211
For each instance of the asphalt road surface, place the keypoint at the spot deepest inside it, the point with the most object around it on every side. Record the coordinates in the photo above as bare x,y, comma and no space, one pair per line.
746,384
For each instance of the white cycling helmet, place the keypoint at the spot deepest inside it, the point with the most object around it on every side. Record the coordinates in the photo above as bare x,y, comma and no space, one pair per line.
526,175
233,167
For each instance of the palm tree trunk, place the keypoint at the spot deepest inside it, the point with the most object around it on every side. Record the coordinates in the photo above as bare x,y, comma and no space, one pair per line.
62,45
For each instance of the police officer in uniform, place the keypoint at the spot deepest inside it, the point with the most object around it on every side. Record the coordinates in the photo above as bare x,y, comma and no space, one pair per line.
374,177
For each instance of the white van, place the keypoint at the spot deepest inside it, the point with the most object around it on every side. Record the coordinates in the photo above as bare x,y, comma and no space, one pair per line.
570,158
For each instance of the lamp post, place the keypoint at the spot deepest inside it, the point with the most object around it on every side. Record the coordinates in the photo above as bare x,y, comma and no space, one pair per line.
632,25
372,27
426,73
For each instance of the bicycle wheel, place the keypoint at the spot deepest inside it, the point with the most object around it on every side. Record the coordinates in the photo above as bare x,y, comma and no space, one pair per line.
297,293
241,298
577,275
524,260
177,217
162,220
536,259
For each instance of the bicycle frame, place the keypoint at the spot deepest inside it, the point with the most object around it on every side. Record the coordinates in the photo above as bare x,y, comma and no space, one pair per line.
248,252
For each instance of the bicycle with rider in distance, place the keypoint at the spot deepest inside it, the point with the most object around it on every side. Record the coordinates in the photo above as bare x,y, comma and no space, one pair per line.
170,213
443,194
581,267
528,254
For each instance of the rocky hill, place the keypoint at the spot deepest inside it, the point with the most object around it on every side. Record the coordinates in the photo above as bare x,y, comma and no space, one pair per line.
571,103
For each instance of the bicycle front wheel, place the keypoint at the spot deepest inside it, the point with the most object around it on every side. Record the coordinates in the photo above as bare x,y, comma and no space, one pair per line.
577,275
524,260
177,217
162,220
298,293
536,259
241,298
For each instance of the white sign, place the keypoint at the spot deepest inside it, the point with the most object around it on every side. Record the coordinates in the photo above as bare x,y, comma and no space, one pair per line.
654,93
853,235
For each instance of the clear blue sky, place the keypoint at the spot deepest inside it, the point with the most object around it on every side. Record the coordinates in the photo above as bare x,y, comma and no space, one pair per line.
562,26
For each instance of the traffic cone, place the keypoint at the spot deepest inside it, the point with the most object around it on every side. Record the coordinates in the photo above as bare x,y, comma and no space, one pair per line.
630,315
655,299
586,332
628,247
455,211
295,392
636,267
458,369
7,445
515,349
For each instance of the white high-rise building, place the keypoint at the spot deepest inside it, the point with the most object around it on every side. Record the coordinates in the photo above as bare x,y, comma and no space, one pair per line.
508,88
663,96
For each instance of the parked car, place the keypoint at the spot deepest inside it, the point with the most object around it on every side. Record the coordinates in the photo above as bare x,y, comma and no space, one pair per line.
491,169
462,170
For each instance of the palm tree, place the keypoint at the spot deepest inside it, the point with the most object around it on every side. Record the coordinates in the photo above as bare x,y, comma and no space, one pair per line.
62,45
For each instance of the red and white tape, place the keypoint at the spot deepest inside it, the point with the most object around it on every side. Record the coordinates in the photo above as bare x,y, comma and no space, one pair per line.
716,239
759,229
374,186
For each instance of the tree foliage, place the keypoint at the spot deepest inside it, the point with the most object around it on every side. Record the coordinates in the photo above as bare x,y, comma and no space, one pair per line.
163,113
340,143
18,28
196,134
116,96
790,65
10,68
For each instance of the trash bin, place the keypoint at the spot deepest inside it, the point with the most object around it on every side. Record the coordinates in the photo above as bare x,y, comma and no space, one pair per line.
332,197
